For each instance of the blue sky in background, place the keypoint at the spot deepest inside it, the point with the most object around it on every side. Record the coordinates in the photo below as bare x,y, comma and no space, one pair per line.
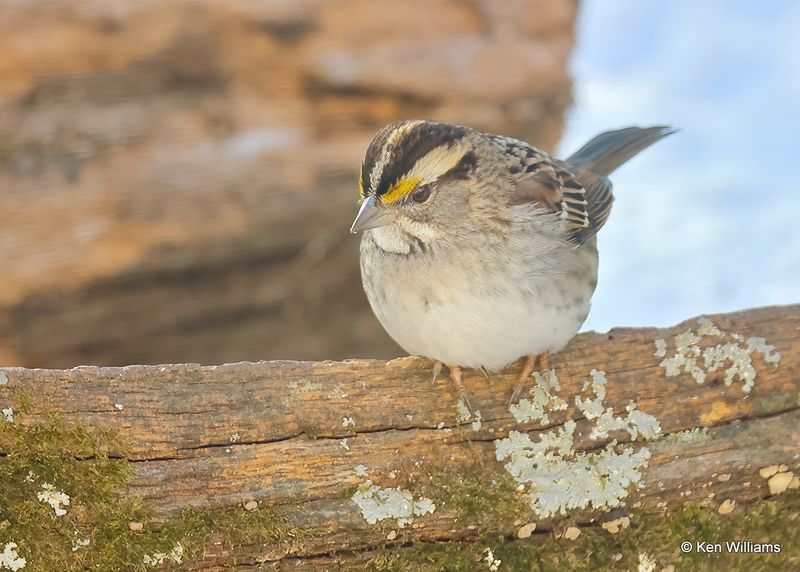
707,220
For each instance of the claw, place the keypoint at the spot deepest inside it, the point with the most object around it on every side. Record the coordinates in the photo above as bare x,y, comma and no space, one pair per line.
515,396
455,375
462,395
527,370
437,369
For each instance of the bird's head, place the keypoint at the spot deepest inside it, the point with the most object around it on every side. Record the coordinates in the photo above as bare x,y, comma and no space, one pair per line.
415,180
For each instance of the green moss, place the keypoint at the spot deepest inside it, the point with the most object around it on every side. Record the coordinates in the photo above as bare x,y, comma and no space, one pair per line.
74,460
476,496
658,535
450,556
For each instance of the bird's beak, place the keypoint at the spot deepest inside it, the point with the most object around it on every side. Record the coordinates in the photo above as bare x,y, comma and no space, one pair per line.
370,215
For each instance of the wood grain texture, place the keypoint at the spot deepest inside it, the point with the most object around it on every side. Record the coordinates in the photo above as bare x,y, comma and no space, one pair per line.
207,436
178,177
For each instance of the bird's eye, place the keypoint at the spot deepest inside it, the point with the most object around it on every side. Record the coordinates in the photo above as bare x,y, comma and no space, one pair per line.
421,194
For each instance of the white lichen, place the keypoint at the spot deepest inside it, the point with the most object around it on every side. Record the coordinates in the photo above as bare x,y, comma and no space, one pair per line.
80,543
608,423
635,422
8,413
158,558
707,328
10,558
361,470
491,562
685,437
541,400
646,563
686,340
557,479
766,350
377,503
462,412
235,438
56,499
593,408
645,424
119,406
344,444
476,423
553,475
735,355
348,421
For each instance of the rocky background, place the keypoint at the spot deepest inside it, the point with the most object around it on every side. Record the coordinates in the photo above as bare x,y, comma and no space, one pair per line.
177,178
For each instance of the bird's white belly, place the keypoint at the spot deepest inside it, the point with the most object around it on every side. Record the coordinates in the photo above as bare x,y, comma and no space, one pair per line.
472,329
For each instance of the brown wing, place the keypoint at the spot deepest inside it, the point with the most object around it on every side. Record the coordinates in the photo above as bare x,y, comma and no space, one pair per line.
550,185
557,190
578,188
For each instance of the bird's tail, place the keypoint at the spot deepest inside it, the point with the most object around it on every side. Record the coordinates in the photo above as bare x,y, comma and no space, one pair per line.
607,151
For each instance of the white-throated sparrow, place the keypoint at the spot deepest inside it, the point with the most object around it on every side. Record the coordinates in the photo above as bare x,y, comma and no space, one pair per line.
480,249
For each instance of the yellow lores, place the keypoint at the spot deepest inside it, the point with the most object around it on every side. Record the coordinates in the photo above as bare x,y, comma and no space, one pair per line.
400,189
426,170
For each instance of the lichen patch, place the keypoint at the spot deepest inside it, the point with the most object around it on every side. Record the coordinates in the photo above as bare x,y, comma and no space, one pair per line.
733,354
462,412
636,422
377,504
476,422
686,437
554,476
56,499
492,563
10,558
541,400
557,479
646,563
158,558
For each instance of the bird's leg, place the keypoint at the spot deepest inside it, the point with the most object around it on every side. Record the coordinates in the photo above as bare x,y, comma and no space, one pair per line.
543,365
455,375
527,370
437,369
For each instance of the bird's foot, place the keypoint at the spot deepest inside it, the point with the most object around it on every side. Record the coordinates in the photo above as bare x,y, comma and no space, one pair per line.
527,369
461,391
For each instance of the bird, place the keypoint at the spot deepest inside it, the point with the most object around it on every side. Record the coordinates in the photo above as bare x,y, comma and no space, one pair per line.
479,250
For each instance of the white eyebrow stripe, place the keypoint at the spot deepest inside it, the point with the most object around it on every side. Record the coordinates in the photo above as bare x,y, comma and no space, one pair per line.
438,161
388,148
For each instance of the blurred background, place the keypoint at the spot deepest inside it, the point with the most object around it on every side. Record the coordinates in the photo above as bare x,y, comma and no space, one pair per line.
177,179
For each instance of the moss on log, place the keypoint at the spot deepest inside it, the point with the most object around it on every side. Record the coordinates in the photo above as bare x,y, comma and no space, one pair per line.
330,465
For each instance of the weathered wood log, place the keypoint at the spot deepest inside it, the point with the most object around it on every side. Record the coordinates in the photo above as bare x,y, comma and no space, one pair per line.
331,445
